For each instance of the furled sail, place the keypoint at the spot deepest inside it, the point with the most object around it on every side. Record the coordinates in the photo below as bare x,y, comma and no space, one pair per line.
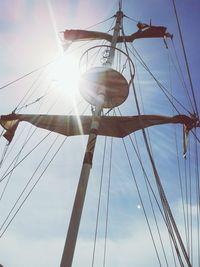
144,31
114,126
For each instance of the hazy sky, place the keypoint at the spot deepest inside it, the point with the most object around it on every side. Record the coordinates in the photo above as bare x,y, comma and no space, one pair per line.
29,34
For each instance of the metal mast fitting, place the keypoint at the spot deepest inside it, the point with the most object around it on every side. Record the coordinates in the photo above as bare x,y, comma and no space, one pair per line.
104,80
97,95
119,16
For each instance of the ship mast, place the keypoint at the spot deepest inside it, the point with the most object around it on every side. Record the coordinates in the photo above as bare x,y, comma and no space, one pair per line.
75,219
103,87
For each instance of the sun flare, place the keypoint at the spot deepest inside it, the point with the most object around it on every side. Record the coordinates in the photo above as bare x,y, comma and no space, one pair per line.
65,74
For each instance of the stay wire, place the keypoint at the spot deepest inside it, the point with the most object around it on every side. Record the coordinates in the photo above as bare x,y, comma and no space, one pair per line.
108,203
28,74
39,68
14,162
186,204
9,177
180,181
180,74
29,181
165,203
28,91
6,174
1,134
190,205
94,25
195,135
50,62
185,57
142,102
31,103
20,134
185,214
176,143
145,174
4,153
147,182
46,92
134,20
161,86
142,204
152,207
188,176
99,200
197,200
32,188
166,207
139,194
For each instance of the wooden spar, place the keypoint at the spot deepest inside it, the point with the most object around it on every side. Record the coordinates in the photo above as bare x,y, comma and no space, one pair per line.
70,243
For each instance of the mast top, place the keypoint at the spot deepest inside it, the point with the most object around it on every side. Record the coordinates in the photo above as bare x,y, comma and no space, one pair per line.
120,5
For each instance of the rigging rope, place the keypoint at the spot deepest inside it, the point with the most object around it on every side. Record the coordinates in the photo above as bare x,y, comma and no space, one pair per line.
108,202
28,74
27,184
179,171
31,87
131,18
99,201
20,196
150,186
7,173
17,156
162,87
142,204
150,200
185,57
149,196
15,160
180,75
197,200
99,23
33,187
169,217
4,153
31,103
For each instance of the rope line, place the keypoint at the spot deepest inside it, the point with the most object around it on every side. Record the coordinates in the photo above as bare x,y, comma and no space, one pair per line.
185,57
28,74
27,184
131,18
99,201
180,75
7,173
166,207
142,204
94,25
32,188
4,154
108,202
15,160
162,87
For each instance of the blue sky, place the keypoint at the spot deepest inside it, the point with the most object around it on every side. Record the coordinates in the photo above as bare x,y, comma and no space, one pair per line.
29,39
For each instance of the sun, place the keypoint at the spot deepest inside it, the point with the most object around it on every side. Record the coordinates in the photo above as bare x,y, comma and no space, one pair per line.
65,74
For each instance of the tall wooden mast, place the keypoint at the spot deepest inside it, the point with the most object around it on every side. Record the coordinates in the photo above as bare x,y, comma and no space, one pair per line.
99,104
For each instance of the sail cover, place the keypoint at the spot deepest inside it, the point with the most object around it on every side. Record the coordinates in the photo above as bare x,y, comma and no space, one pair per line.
80,125
145,31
